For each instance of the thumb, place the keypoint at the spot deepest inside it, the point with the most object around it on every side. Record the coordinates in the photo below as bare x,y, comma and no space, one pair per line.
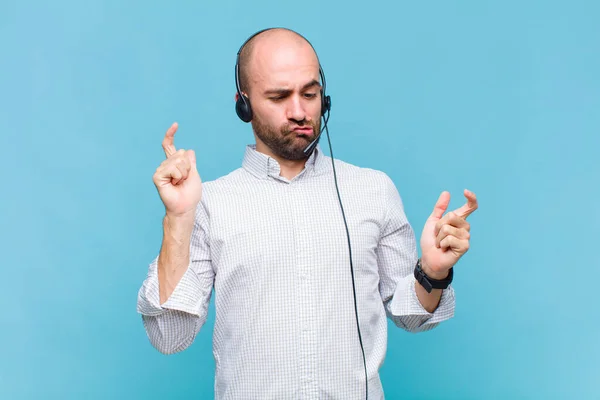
441,205
192,157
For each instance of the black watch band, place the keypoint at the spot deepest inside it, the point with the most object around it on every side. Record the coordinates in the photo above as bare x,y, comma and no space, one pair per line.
428,283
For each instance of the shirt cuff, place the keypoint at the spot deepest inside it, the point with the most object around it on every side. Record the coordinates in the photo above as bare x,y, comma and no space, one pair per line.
184,298
445,308
407,310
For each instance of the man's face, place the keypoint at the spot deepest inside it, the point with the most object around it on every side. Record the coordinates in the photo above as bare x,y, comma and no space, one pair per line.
285,96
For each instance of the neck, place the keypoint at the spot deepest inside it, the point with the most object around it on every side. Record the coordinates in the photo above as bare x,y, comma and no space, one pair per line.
289,169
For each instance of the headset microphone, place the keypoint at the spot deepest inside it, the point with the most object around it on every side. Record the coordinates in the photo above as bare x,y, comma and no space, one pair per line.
309,149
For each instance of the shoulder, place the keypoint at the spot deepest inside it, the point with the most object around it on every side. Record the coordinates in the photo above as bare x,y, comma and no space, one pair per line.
369,177
374,186
222,193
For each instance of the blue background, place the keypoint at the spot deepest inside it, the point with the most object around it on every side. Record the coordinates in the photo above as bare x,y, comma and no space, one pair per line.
499,97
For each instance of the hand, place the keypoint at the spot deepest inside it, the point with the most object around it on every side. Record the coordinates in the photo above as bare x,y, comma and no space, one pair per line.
446,239
177,178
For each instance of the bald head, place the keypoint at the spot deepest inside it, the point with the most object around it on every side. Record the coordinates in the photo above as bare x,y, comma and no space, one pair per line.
272,49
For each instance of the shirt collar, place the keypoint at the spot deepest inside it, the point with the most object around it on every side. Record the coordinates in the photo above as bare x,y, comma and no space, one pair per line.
264,167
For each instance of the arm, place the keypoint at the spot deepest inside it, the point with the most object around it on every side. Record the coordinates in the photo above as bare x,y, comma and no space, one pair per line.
175,295
406,302
174,256
429,301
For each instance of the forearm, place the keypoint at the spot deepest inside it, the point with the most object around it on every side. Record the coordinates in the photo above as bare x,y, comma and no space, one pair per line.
429,301
174,254
414,314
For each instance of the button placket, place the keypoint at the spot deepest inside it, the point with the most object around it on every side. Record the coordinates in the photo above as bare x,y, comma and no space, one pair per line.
303,257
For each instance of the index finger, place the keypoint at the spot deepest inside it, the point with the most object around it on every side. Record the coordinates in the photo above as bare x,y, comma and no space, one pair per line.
168,143
468,208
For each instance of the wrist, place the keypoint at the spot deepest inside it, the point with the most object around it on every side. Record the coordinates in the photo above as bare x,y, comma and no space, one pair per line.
436,280
179,226
437,275
182,216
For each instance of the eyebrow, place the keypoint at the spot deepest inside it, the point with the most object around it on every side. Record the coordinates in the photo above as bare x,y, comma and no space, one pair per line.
310,84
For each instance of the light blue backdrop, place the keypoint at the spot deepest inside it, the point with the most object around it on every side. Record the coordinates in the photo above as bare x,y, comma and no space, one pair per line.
499,97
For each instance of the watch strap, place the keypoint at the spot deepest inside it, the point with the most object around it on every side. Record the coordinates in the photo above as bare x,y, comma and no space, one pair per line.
429,283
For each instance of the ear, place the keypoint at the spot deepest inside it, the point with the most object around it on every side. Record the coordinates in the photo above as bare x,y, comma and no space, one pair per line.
237,96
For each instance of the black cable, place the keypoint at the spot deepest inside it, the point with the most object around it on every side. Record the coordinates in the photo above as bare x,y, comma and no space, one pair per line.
351,265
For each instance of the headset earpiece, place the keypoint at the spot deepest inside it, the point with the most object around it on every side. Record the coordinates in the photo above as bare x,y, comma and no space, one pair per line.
325,104
243,109
325,100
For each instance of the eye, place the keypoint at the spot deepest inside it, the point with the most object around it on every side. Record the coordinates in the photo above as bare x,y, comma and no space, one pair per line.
310,95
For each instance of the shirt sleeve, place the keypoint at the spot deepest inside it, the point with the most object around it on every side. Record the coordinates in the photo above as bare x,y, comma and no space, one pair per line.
397,256
173,326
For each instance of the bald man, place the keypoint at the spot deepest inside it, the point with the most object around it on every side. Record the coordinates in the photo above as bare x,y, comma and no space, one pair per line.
270,239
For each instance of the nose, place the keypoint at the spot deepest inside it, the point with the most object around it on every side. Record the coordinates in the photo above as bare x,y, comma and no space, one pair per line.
295,109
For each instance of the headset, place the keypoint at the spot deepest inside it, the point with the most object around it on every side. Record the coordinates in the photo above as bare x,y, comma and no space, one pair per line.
244,112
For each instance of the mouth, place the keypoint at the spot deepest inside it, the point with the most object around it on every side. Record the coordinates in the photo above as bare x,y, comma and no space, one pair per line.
305,130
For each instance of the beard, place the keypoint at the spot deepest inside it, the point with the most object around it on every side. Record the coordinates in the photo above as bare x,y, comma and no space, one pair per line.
284,142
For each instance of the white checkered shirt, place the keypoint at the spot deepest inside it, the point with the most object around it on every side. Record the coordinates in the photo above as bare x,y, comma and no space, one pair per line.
276,253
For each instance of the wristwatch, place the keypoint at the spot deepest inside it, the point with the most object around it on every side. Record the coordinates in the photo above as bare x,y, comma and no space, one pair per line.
429,283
